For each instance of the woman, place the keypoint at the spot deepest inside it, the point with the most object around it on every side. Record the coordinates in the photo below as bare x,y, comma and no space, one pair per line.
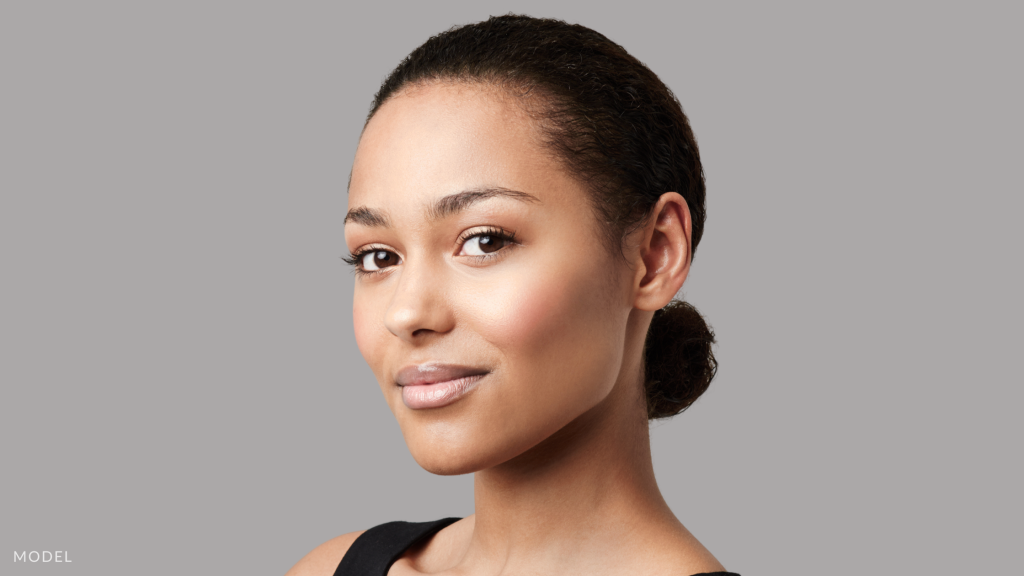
524,204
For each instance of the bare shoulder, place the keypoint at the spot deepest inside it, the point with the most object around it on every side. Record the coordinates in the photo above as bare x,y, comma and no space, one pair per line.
689,556
324,559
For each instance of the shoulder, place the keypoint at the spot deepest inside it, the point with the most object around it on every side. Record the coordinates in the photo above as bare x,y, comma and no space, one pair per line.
324,559
674,550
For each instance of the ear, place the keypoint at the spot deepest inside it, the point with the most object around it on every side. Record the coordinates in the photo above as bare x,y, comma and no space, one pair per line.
664,253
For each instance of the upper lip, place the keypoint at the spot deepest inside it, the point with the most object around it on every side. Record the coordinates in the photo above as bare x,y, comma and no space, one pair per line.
432,373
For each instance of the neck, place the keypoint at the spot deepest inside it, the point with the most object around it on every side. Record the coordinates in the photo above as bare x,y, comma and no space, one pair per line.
590,484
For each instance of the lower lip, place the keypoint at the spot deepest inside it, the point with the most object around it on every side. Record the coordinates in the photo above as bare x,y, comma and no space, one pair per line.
440,393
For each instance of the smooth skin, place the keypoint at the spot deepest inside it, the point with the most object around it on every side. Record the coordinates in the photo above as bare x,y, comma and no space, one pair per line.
556,432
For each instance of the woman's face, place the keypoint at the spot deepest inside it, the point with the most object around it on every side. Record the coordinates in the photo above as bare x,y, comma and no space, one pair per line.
485,302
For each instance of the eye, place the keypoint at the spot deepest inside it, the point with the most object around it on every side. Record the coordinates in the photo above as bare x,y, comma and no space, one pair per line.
376,260
372,261
485,243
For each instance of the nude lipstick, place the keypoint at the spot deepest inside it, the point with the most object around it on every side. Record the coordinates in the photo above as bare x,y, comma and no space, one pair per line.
435,385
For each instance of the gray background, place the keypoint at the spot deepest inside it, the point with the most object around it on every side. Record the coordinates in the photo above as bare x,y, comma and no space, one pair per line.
181,389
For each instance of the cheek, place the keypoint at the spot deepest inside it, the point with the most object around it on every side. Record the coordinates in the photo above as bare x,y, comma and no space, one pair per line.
553,327
518,313
535,314
367,330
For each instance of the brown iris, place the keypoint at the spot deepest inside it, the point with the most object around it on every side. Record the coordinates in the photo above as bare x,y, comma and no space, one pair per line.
383,258
490,243
377,259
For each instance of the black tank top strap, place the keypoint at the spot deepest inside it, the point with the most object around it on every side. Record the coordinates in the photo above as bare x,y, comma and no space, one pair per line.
375,550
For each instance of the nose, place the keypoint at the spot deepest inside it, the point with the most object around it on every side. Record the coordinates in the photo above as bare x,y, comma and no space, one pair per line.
418,306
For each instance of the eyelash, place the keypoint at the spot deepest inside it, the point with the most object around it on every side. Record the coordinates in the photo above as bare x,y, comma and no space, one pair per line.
355,260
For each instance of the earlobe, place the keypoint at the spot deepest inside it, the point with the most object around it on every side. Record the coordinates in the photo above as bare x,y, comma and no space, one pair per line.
665,252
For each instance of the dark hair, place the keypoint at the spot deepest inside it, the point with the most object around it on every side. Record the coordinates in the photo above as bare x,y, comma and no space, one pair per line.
617,128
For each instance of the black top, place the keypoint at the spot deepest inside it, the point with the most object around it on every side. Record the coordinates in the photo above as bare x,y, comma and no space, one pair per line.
373,553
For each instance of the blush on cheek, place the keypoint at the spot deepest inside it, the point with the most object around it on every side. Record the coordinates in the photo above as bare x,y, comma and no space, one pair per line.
532,315
536,314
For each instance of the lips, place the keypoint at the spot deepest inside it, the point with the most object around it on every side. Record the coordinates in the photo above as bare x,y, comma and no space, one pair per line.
429,373
435,385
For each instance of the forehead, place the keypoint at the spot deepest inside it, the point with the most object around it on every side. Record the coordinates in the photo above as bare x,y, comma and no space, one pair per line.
439,139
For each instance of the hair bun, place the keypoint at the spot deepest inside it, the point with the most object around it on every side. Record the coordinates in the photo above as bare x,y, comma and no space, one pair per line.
678,362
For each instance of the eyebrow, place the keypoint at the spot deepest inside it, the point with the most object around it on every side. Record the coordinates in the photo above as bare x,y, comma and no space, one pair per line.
443,208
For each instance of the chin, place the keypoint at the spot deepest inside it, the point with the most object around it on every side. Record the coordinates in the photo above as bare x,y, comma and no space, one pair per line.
448,467
447,453
451,461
